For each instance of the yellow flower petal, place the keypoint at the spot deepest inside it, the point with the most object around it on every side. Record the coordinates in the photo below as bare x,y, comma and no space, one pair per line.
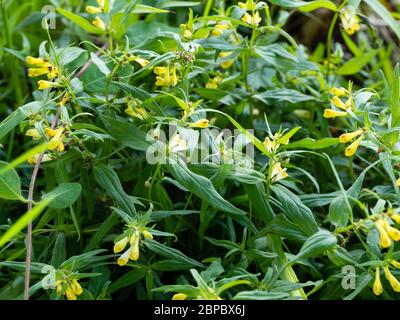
351,149
120,245
45,84
346,137
338,103
392,232
385,240
330,113
226,64
37,72
392,280
377,288
395,217
395,264
98,23
76,287
179,296
147,234
202,124
339,92
70,294
93,10
34,133
123,260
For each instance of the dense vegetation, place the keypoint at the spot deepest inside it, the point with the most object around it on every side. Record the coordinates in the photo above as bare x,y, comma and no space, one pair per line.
199,150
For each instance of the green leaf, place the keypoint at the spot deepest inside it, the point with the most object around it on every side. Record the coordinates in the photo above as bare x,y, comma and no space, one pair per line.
202,187
81,22
287,95
10,184
312,144
64,195
100,64
23,222
171,253
354,65
316,245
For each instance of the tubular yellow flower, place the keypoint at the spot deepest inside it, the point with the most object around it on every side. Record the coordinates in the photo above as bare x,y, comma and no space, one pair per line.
120,245
179,296
100,3
142,62
351,149
385,240
123,260
392,280
39,62
330,113
377,288
93,10
338,103
226,64
349,20
34,133
247,18
147,234
278,173
37,72
56,141
339,92
392,232
395,264
219,27
202,124
346,137
395,217
98,23
135,252
398,182
160,71
70,294
270,145
187,34
45,84
76,287
213,83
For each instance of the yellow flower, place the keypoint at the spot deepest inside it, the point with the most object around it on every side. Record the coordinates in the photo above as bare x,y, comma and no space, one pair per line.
38,62
187,34
392,280
70,294
166,76
53,73
93,10
120,245
392,232
177,144
377,288
398,182
147,234
123,260
270,145
76,287
351,149
346,137
179,296
338,103
214,83
385,241
202,124
37,72
219,27
45,84
349,21
330,113
134,241
339,92
395,217
226,64
142,62
98,23
395,264
34,133
252,20
278,173
242,5
56,141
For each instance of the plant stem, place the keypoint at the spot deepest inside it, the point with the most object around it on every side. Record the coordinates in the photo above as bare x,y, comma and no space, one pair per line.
208,7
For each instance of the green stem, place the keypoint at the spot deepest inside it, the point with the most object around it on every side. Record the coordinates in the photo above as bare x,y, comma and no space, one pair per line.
208,7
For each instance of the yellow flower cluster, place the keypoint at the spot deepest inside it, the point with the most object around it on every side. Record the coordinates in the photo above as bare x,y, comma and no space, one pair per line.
69,288
213,83
349,20
394,283
187,31
337,102
387,233
42,67
135,111
271,145
252,19
166,76
97,22
278,173
134,241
